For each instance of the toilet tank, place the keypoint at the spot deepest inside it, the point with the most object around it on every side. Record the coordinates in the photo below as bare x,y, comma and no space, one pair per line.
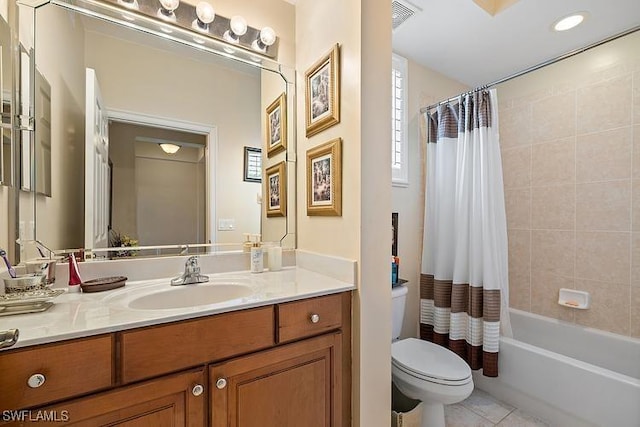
398,300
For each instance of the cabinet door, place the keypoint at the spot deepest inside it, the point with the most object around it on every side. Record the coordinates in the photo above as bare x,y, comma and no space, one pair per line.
174,400
291,386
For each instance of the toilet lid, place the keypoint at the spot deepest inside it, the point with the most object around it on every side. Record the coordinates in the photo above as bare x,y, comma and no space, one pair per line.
427,360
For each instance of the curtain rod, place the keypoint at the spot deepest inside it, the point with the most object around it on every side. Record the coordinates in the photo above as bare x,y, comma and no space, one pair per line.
534,68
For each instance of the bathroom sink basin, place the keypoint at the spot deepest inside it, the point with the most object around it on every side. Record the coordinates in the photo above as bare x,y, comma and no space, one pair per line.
189,296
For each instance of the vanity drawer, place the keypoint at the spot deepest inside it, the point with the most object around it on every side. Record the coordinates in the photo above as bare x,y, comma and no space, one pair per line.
157,350
299,319
68,369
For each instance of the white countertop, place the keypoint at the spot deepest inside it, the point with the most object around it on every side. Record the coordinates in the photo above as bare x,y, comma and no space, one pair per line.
77,315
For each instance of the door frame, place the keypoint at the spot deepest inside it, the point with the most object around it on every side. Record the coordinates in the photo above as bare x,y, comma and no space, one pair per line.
211,153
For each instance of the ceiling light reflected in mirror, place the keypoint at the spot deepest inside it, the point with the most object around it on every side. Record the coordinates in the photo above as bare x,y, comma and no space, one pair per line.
169,148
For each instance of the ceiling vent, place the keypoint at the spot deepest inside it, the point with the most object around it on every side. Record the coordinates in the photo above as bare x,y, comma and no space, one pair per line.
401,11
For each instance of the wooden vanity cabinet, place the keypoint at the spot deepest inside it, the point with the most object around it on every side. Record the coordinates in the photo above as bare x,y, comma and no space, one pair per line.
274,366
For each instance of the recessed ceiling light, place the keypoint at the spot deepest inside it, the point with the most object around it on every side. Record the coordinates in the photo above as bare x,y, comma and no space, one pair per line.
569,22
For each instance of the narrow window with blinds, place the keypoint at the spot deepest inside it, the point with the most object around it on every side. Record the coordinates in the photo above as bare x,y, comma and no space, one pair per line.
399,137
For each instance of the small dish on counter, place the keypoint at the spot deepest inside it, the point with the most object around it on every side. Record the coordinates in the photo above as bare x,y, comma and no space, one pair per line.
24,309
103,284
29,297
28,302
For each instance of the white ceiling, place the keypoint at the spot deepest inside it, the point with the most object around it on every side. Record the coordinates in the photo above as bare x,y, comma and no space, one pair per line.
460,40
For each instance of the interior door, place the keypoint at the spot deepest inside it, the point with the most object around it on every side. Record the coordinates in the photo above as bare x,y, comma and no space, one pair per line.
96,185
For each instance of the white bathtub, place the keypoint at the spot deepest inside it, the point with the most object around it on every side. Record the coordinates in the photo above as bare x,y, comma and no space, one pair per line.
566,374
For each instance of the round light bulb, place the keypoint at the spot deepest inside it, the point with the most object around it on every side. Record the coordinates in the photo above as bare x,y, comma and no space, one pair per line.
205,12
238,25
170,5
267,36
569,22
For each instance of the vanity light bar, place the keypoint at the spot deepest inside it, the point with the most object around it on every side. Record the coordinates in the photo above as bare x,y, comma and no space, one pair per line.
184,17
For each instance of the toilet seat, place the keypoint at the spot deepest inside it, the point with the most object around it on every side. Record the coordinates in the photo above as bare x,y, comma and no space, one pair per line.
430,362
433,380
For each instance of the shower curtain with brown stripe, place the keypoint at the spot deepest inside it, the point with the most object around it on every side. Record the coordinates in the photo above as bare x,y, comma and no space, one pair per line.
464,280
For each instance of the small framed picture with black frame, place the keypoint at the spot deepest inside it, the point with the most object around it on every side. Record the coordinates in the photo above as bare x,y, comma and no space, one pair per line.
252,164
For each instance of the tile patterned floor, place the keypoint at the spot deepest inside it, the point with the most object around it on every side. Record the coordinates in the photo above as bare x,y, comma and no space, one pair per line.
482,410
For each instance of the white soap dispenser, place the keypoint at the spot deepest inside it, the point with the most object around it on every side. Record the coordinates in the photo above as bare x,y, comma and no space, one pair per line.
257,261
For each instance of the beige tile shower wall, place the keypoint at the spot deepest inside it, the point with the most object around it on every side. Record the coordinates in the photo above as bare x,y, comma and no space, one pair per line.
570,137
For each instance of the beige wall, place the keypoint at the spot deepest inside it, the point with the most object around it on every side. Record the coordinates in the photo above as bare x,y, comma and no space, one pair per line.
362,232
570,136
425,87
60,59
332,235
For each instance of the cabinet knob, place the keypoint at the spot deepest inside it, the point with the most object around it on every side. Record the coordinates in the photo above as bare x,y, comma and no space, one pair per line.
315,318
197,390
36,380
221,383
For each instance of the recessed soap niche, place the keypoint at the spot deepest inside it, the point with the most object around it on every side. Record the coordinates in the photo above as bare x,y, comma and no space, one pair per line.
574,299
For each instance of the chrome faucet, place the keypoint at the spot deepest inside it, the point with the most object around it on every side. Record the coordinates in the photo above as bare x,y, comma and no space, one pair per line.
191,274
9,337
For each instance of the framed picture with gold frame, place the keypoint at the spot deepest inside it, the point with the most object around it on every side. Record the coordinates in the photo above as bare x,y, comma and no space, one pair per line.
276,190
276,122
324,179
322,100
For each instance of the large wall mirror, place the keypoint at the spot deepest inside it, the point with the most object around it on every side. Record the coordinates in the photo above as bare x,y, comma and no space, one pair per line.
140,140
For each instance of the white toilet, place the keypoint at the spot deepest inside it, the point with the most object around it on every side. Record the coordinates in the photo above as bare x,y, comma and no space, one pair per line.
426,371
